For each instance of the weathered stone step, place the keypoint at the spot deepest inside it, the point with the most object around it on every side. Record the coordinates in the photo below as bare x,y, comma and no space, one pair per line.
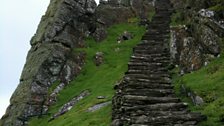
149,92
147,51
155,37
141,58
159,26
146,72
186,123
147,66
164,63
154,55
148,31
143,85
161,18
164,30
154,49
151,46
150,43
168,119
139,79
150,77
142,100
144,64
157,107
152,69
159,60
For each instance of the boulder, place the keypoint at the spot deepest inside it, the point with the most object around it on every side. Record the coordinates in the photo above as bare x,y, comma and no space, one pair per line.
100,34
209,40
98,58
125,36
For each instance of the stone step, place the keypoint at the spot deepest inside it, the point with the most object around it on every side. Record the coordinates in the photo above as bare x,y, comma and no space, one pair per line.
151,68
144,85
146,72
141,58
186,123
154,49
149,92
145,64
145,100
130,79
154,37
163,61
148,51
150,43
161,27
161,30
155,54
148,31
152,55
168,119
156,113
157,107
150,77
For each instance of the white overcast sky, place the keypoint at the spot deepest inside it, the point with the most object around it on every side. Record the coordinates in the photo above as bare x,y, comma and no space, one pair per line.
18,23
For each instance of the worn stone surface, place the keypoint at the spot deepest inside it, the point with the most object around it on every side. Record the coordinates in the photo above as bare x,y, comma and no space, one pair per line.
99,58
68,106
98,106
196,99
62,28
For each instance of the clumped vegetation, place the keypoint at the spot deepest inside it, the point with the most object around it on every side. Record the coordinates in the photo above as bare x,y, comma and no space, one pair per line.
99,80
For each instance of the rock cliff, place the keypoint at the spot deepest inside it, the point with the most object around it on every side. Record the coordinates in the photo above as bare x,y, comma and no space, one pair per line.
50,58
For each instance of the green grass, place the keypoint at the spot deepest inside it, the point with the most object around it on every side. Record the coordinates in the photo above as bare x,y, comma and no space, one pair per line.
208,83
99,80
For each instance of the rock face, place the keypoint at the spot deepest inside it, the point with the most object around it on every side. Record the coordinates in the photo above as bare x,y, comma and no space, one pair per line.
118,11
50,58
193,45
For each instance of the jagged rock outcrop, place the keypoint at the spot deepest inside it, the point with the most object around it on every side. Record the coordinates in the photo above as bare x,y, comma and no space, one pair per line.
118,11
109,13
50,58
145,96
200,36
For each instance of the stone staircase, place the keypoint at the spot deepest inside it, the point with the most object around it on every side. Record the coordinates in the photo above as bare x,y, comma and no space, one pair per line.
145,96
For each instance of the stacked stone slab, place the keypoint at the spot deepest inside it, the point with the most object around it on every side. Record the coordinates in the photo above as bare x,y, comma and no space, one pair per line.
145,96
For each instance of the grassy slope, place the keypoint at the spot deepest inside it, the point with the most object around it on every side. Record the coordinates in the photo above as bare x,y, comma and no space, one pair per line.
99,80
208,82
